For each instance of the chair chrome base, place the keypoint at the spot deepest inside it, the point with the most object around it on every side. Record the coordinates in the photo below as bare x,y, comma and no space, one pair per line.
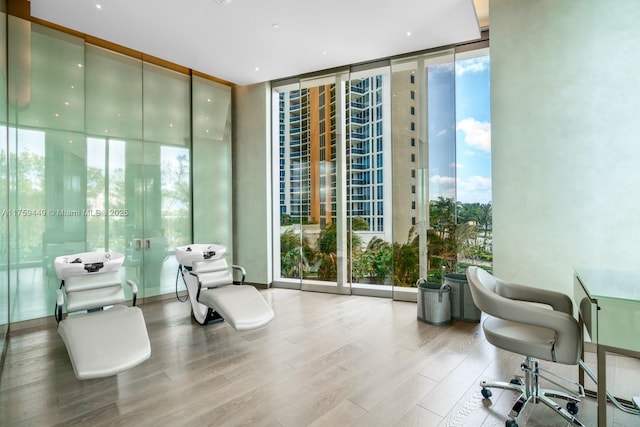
530,390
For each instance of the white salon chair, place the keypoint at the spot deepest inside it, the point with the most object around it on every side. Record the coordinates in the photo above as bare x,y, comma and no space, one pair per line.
238,304
102,335
536,332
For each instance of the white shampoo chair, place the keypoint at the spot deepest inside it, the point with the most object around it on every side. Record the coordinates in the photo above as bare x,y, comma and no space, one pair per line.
240,305
102,335
215,294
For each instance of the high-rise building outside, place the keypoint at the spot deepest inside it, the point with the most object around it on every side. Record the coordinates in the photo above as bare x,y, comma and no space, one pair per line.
307,154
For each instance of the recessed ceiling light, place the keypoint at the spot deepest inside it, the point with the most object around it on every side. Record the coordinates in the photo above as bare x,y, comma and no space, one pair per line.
98,6
275,26
257,68
223,2
408,33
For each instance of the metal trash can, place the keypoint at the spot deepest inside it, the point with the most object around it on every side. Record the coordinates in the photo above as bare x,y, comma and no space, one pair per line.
462,306
434,303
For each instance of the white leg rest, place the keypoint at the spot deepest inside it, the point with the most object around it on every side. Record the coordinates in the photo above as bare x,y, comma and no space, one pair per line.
104,343
241,306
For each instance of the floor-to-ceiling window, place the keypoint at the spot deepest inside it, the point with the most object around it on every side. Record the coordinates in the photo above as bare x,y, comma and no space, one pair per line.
473,159
369,177
409,210
310,143
410,170
442,168
459,135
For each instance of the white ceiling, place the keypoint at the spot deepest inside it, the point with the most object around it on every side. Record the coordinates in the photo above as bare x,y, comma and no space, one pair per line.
239,41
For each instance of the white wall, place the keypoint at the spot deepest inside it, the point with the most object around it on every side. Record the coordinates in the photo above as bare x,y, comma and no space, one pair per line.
252,181
565,108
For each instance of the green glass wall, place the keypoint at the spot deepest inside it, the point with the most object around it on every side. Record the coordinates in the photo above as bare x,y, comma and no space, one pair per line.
212,202
4,253
100,159
46,161
167,173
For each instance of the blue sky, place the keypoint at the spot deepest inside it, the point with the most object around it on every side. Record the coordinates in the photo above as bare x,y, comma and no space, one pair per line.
460,130
473,130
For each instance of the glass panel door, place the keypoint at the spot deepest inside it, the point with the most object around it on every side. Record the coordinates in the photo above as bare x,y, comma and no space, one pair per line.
442,236
423,131
110,207
473,155
115,158
409,175
316,166
167,175
369,175
312,245
291,245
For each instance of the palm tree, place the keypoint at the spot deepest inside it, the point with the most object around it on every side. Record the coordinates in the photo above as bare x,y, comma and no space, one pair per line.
327,251
294,251
485,217
442,244
381,255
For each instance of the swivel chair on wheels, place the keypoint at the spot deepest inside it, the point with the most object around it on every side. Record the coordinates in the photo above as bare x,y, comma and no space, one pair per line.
536,332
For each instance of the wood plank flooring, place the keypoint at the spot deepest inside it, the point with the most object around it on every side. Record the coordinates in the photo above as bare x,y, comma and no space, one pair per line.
325,360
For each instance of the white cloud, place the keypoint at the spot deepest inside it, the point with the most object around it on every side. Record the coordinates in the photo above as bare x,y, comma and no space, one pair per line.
470,190
446,68
444,186
477,134
474,65
474,189
442,180
476,182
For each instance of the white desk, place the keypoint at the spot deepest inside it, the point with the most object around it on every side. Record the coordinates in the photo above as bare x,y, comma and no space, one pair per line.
609,307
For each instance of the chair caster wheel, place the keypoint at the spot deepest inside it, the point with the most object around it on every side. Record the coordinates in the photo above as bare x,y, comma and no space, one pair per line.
511,423
516,381
572,407
486,393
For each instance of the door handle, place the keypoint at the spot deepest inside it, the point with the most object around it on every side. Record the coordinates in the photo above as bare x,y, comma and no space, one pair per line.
138,244
148,244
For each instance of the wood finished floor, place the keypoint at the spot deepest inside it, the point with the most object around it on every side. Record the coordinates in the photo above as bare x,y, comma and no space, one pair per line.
325,360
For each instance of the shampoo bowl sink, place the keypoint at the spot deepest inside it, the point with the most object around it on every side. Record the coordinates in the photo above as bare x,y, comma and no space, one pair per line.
186,255
86,263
